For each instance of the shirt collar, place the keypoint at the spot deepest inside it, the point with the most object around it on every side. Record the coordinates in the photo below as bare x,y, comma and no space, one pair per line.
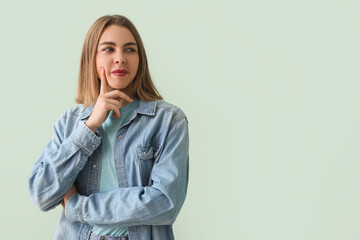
145,108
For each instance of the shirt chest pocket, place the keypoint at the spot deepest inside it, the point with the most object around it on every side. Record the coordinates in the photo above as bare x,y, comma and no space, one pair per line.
147,155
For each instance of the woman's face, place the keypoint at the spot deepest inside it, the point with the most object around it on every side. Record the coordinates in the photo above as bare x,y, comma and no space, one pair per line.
117,52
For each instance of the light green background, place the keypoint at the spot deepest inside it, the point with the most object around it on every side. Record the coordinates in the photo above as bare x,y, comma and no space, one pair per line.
270,88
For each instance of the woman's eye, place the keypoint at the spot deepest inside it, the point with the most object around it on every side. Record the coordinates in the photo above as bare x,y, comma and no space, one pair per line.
108,49
130,50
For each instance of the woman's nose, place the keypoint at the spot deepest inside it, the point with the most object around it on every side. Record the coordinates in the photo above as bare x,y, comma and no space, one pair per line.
120,59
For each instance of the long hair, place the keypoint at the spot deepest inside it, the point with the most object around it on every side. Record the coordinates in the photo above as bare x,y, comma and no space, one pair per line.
88,86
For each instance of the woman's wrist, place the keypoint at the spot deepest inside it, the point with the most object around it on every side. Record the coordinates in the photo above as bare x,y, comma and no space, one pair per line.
91,126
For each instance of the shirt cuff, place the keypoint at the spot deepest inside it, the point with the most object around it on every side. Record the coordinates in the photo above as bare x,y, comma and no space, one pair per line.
73,208
86,139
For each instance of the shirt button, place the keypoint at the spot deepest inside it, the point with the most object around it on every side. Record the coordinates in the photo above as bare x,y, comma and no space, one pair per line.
120,136
93,146
144,153
94,166
119,163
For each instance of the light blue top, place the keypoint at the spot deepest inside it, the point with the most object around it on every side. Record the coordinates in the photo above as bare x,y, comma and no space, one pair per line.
152,169
108,178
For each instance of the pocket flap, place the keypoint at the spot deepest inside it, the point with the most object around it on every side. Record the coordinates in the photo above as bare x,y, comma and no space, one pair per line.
145,152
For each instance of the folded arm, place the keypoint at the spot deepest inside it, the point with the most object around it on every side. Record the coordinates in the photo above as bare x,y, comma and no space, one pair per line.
157,204
58,166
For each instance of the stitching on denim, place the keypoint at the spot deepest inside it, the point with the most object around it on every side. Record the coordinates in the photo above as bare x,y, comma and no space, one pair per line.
178,113
81,217
81,146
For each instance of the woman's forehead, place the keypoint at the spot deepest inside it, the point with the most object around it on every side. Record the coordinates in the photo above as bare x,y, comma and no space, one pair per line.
117,34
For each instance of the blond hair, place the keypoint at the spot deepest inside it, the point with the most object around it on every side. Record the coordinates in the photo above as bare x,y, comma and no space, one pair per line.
88,83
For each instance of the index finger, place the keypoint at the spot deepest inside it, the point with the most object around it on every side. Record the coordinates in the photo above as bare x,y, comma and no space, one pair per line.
103,85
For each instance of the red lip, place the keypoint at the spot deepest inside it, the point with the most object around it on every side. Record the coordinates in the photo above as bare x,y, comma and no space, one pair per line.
119,71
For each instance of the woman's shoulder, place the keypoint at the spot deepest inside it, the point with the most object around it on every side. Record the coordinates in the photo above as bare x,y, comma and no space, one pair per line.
162,105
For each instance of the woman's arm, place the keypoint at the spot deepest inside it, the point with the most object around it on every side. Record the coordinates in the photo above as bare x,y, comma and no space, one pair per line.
59,164
158,204
63,159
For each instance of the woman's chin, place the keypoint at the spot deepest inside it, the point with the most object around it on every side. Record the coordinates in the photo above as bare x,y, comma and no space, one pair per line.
117,87
121,87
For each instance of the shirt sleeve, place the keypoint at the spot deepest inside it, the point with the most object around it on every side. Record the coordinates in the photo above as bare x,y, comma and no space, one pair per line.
158,204
59,164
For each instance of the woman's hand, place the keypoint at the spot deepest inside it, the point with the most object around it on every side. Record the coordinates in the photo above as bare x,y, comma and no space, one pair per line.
106,102
71,191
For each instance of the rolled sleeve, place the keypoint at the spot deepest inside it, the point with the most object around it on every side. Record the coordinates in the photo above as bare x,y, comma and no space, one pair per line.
85,139
74,207
60,162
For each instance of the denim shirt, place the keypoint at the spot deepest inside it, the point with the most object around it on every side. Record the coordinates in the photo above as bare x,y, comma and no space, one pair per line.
152,165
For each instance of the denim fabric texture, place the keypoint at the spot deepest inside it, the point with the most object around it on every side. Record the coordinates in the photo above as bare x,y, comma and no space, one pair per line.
152,164
99,237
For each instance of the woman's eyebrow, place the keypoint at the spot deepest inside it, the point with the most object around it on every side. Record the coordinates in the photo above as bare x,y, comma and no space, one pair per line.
108,43
129,43
113,44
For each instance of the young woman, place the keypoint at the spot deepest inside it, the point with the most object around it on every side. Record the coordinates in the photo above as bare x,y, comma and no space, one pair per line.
118,163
